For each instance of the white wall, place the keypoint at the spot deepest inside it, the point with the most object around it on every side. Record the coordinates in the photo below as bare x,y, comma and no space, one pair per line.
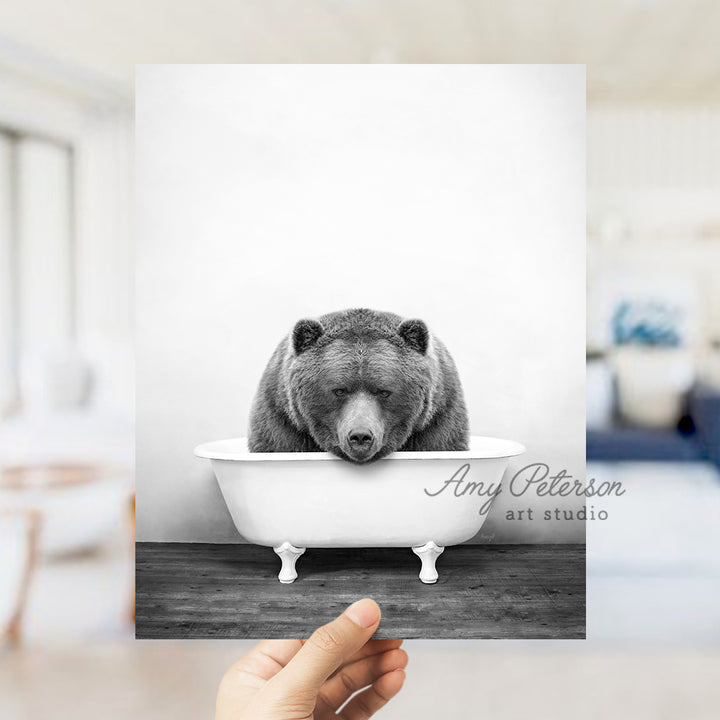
269,193
105,256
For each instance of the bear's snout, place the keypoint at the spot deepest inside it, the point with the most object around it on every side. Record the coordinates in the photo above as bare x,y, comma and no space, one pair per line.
360,428
360,444
360,437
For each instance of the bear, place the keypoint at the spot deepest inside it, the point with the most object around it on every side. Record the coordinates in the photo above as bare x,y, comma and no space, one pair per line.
360,384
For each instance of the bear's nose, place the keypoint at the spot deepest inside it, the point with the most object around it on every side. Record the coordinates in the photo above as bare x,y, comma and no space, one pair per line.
360,437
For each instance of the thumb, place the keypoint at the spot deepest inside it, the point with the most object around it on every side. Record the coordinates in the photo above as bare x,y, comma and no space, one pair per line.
328,648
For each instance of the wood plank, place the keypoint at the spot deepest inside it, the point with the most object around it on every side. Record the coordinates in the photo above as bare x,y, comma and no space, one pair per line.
188,590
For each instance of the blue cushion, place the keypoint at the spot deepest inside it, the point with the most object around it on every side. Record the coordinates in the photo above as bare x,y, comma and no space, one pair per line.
704,404
625,444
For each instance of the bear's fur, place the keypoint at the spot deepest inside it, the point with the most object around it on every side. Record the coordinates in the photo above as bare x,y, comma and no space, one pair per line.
361,384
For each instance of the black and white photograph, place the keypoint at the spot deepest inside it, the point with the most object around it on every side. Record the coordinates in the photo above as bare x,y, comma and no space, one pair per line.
360,332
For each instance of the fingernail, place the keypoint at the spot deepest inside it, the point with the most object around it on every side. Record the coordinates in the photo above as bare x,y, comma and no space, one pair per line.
364,613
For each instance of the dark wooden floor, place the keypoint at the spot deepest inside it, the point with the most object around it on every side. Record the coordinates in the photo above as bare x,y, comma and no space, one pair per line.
187,590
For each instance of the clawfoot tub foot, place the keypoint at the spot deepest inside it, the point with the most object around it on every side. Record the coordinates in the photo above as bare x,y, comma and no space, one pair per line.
428,554
288,554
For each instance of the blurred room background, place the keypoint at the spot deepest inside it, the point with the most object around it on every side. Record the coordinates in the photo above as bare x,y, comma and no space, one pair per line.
66,347
653,368
653,346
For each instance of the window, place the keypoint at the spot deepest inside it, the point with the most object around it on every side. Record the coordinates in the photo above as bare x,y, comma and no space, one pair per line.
37,266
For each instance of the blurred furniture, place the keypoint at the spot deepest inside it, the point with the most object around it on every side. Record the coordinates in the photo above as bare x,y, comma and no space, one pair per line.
705,409
80,504
67,454
55,380
69,437
64,457
652,383
697,439
600,392
620,443
19,534
653,363
711,365
67,413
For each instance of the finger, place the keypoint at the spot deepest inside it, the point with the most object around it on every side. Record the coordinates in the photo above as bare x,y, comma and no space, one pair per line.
263,662
281,651
358,675
328,648
396,642
374,647
365,704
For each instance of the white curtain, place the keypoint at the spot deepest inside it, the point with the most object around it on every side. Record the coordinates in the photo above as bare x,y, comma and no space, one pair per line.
8,387
66,261
45,265
37,281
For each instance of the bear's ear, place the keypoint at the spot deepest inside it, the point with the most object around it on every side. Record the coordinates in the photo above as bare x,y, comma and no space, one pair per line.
415,334
305,335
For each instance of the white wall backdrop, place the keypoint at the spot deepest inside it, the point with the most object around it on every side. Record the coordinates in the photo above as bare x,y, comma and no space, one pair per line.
268,193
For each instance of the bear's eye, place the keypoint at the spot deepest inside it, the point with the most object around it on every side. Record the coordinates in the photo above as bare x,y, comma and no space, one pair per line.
340,392
384,393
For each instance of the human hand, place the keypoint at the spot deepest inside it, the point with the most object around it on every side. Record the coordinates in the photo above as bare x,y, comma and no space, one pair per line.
312,679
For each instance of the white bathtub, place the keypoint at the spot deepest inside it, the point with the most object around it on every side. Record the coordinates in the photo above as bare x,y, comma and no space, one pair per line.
293,501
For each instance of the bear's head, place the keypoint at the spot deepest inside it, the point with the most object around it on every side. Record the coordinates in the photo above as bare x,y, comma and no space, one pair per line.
360,381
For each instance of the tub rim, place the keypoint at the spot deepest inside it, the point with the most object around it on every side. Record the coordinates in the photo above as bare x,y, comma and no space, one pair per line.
236,449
